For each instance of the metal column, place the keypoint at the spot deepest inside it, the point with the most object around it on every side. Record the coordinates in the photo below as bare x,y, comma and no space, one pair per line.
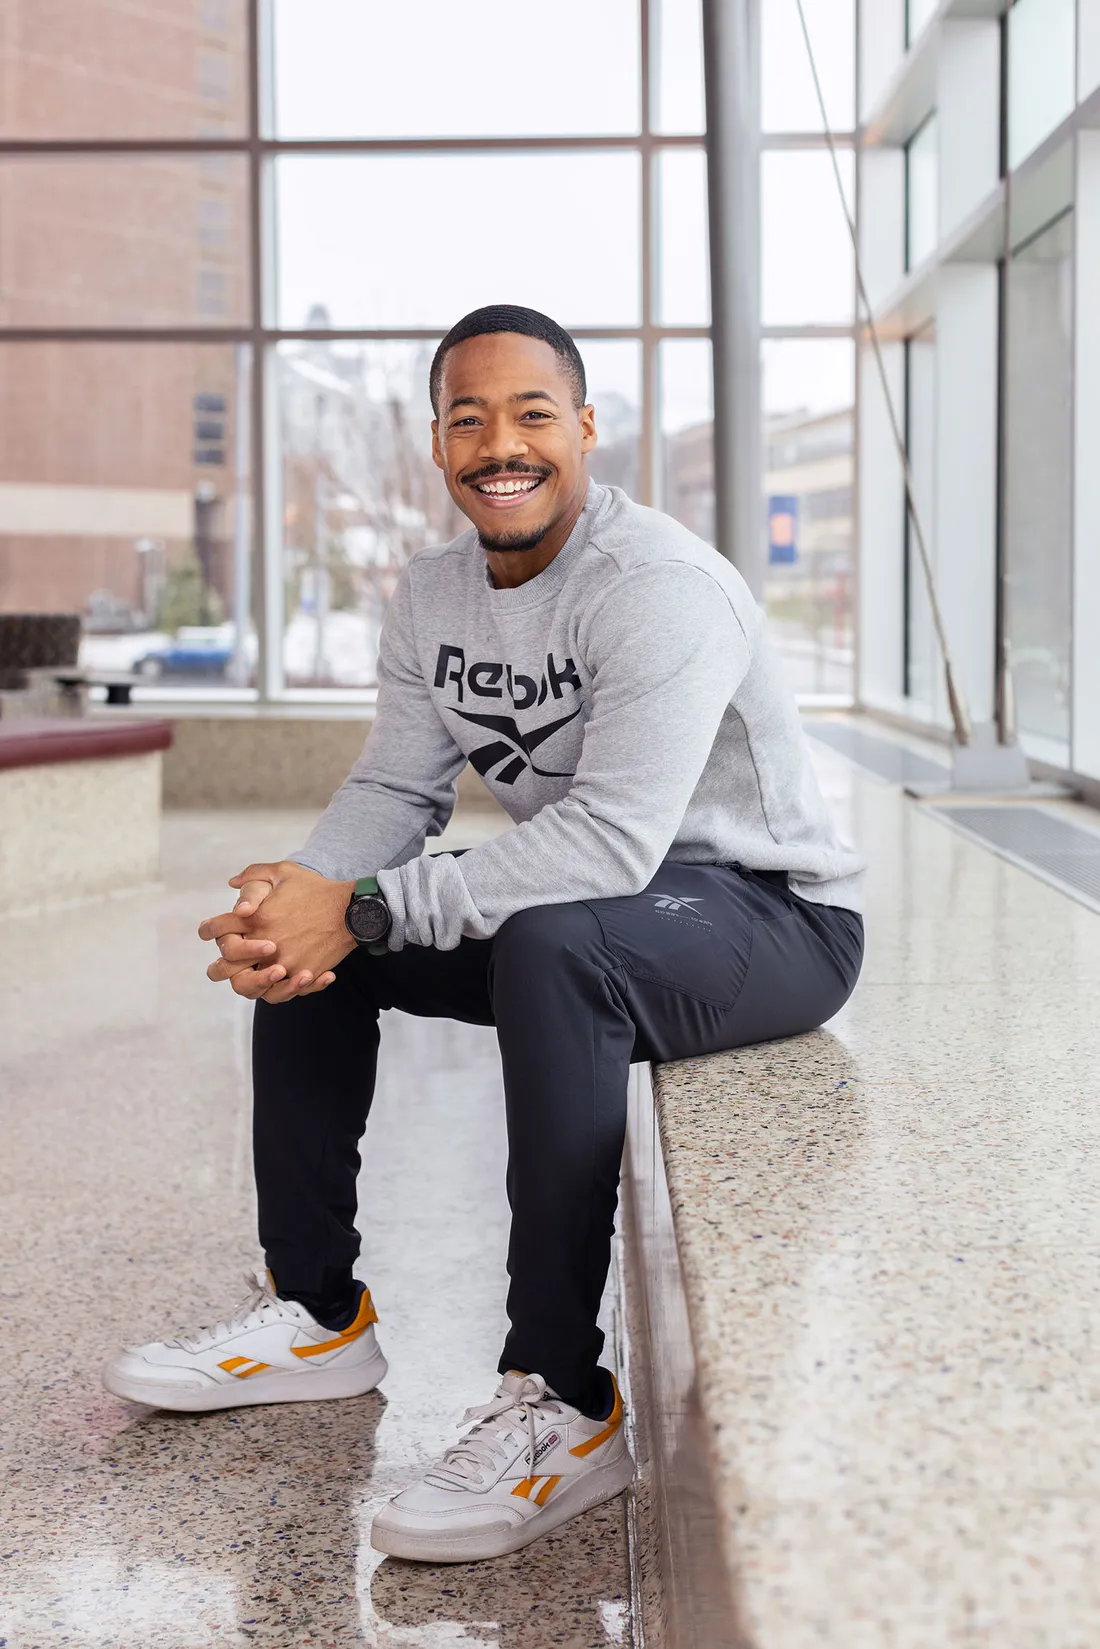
731,45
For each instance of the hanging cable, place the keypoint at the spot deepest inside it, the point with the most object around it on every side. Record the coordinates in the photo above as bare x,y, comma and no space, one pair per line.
960,714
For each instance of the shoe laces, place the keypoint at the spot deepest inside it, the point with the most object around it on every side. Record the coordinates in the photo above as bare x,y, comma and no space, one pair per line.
257,1308
495,1425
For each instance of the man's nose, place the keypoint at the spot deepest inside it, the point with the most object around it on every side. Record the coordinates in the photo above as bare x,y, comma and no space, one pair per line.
502,439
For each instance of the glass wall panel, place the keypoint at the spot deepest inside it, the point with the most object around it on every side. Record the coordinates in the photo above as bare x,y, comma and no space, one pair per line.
110,69
94,241
614,372
679,101
1042,54
361,493
124,497
366,238
788,99
683,283
687,431
921,653
922,183
808,391
1038,525
367,68
807,268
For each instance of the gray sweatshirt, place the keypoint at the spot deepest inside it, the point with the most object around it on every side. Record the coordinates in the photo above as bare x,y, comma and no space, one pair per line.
624,706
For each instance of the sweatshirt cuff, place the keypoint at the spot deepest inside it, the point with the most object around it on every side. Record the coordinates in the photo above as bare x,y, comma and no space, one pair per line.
389,885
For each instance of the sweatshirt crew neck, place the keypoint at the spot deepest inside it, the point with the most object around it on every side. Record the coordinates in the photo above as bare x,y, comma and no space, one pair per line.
545,585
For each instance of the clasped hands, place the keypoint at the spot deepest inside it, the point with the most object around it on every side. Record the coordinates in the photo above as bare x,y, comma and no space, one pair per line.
285,934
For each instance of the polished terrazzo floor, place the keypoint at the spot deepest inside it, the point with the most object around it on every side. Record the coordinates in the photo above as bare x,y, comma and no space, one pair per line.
126,1210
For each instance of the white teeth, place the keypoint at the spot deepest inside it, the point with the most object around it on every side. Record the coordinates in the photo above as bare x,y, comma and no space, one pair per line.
503,487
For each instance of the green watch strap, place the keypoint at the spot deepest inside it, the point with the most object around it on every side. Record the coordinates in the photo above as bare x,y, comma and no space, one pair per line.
365,885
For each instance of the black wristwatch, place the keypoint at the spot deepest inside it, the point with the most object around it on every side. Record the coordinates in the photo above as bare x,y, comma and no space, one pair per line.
367,917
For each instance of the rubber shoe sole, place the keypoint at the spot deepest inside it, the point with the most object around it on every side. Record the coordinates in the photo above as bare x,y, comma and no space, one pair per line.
498,1539
311,1386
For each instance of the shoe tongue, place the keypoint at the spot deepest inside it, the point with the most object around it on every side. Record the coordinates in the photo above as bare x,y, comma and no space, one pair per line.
519,1386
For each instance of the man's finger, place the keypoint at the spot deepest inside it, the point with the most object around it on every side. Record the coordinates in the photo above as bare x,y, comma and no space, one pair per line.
290,987
255,873
252,897
321,983
216,927
254,982
236,948
221,969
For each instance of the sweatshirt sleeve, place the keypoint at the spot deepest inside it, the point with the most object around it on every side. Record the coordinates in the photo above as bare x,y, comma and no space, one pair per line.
402,788
667,652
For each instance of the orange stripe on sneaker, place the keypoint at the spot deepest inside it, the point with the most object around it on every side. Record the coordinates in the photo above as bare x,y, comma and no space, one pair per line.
524,1489
547,1490
232,1364
614,1421
364,1317
246,1373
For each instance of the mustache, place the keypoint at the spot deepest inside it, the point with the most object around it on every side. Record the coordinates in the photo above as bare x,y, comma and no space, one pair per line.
489,472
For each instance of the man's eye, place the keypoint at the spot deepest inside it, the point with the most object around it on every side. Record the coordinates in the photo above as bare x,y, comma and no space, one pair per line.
534,413
458,423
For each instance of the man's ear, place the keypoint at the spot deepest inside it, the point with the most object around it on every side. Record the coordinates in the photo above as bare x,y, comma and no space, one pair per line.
587,417
437,455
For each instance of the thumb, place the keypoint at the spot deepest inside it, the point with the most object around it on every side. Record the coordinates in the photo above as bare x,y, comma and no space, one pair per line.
255,873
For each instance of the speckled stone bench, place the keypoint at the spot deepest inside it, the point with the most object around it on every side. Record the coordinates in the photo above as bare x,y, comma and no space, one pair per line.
712,1143
79,807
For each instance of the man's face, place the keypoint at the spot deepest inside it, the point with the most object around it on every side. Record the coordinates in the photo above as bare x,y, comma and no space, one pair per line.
509,440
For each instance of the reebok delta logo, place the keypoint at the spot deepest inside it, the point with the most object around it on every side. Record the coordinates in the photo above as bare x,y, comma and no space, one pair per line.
670,904
511,752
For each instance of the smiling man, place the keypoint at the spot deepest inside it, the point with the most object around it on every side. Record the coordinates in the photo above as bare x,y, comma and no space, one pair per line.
673,886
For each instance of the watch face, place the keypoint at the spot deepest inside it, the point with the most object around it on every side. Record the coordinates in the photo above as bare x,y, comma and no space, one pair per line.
368,919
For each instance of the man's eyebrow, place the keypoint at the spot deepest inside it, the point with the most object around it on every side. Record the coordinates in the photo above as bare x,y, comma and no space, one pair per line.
480,401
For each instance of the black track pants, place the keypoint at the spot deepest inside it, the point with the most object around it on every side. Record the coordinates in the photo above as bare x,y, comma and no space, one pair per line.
708,957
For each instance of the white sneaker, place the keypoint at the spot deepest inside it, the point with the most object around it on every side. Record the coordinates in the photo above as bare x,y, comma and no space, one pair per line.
529,1464
268,1351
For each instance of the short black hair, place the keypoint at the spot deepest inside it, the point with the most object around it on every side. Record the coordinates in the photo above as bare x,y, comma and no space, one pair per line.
511,317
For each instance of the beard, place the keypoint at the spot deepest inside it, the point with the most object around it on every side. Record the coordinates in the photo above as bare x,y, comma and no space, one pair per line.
503,542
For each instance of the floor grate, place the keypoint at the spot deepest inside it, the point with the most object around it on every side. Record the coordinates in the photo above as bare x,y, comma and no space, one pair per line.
882,757
1059,852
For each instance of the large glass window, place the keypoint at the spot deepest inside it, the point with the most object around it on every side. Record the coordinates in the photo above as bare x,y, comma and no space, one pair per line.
1038,482
808,270
519,162
922,183
687,426
124,496
788,97
808,475
501,70
1042,57
679,101
367,237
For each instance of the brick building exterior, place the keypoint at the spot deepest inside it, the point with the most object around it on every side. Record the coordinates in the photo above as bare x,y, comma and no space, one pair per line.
117,458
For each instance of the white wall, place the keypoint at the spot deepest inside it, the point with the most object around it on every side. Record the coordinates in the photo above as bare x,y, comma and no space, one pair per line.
1085,688
968,104
882,518
966,474
1088,47
881,47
